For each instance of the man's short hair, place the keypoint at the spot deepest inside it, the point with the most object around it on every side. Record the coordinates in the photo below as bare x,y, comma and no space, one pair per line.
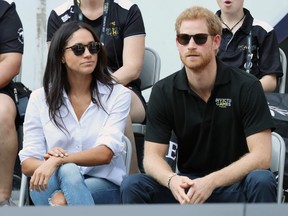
213,23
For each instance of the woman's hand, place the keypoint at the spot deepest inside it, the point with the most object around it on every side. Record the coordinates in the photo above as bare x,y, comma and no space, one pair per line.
41,176
56,152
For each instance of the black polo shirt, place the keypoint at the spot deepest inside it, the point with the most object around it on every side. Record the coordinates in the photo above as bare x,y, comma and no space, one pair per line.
11,37
124,19
210,135
264,46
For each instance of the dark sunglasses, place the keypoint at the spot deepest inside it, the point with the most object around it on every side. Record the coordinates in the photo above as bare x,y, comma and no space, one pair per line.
78,49
199,39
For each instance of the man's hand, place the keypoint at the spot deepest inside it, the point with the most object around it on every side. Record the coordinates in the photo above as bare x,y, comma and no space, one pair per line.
200,190
188,191
178,187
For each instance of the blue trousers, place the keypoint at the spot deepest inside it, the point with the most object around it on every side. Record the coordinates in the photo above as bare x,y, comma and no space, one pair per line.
77,189
258,186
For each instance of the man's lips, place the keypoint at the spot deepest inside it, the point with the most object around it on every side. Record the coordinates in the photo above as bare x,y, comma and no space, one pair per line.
192,55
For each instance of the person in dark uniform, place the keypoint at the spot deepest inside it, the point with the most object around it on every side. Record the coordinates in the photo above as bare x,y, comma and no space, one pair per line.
249,44
11,50
221,119
120,28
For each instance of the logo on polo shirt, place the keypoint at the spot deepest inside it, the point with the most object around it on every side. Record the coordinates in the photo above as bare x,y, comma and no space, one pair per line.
65,17
223,102
112,29
20,35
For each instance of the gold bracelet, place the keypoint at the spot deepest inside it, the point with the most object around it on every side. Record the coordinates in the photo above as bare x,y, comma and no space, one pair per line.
169,179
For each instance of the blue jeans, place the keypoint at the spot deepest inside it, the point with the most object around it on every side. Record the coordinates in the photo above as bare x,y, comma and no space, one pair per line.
258,186
77,189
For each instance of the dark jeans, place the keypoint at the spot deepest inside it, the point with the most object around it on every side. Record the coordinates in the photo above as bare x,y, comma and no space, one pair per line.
258,186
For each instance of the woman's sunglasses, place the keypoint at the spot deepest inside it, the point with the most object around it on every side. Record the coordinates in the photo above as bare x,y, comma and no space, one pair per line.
78,49
199,39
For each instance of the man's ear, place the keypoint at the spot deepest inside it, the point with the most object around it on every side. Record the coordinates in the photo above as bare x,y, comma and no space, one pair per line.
217,41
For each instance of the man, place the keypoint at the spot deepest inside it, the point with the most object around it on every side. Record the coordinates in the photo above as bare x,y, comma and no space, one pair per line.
222,123
11,49
261,58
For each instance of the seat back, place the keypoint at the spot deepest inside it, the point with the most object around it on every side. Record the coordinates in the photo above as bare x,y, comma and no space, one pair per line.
283,60
128,155
149,76
278,163
151,68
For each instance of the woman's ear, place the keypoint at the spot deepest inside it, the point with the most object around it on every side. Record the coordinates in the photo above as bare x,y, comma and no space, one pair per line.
63,60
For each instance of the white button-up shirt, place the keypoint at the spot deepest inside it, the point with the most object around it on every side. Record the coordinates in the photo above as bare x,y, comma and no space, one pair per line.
96,127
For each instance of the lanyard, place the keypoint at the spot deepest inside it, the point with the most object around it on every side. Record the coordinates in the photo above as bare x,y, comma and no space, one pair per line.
105,14
249,54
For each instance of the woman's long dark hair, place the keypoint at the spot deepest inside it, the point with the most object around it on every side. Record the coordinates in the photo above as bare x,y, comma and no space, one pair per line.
55,77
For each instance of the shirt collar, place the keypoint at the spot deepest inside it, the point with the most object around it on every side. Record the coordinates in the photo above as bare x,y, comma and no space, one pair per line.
102,89
247,23
222,77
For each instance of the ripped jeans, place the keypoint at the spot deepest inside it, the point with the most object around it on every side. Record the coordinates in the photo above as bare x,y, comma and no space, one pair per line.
77,189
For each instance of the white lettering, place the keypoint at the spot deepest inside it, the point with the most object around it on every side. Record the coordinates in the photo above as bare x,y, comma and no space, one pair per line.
172,150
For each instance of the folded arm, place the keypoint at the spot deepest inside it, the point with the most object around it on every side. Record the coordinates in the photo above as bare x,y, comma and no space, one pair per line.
133,57
269,83
10,64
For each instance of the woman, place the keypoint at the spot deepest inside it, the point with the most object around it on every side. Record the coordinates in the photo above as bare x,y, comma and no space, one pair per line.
74,125
121,29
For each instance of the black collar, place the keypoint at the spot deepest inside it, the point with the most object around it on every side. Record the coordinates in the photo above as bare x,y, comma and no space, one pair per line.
222,77
247,23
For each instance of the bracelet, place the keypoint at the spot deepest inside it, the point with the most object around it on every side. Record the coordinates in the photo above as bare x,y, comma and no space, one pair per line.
169,179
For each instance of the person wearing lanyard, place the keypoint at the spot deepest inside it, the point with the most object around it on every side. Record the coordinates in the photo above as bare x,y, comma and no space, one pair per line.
249,44
121,29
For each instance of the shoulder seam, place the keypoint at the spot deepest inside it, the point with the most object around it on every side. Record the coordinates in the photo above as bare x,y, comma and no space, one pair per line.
64,7
266,26
125,4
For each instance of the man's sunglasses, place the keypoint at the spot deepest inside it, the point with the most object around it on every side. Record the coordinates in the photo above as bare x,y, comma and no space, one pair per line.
199,39
78,49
